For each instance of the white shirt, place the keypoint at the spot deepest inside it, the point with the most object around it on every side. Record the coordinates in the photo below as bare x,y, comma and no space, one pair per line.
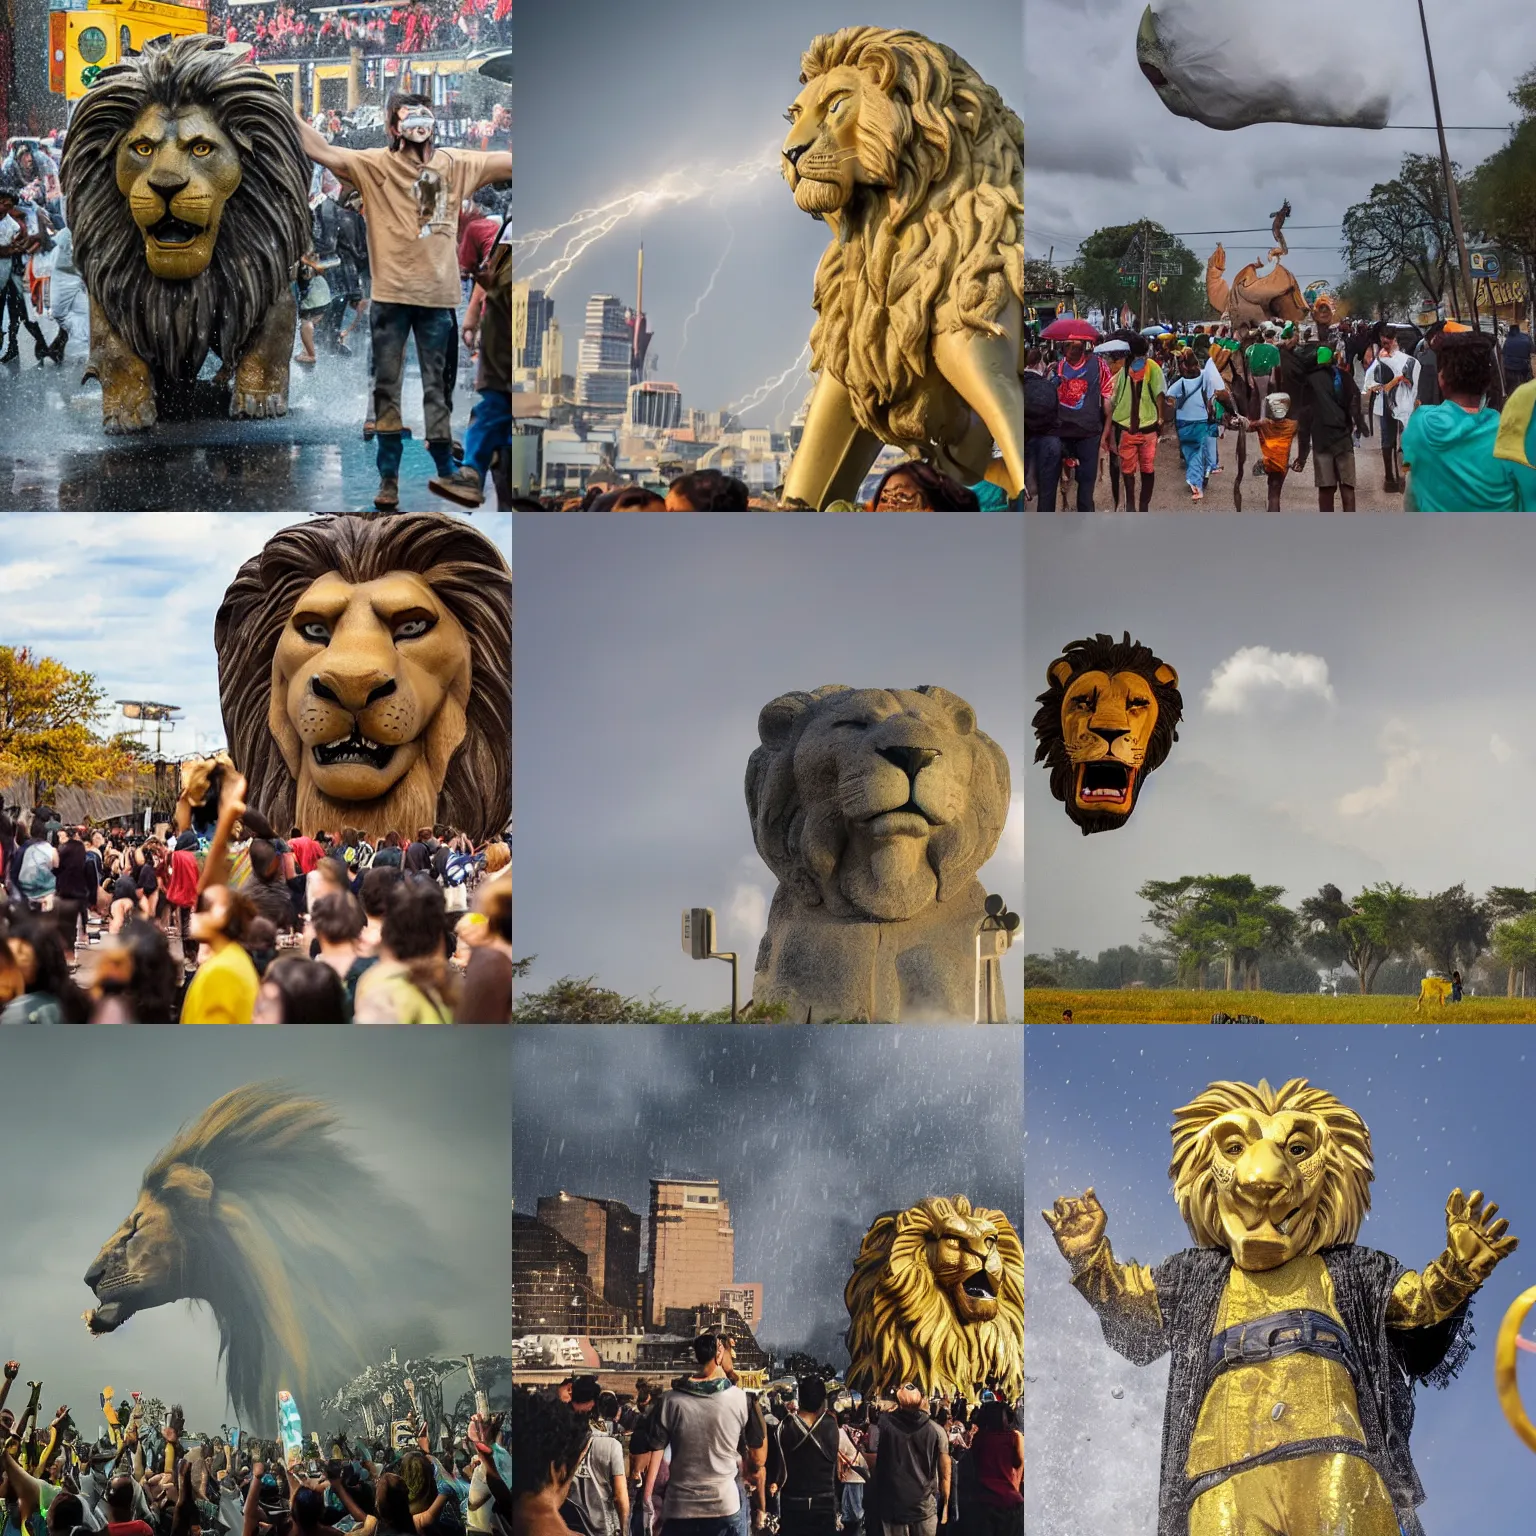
1403,396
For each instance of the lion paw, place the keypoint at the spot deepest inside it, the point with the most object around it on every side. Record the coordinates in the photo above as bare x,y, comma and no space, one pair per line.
248,404
121,420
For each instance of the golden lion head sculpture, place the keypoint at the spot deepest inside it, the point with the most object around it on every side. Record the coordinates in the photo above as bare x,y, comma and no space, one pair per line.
890,123
937,1298
1108,719
365,674
876,802
259,1211
188,196
1270,1175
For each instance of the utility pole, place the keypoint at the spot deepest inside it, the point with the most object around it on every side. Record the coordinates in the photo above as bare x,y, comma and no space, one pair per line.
1464,260
1146,259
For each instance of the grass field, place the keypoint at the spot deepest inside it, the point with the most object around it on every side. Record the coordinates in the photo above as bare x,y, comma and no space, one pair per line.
1138,1006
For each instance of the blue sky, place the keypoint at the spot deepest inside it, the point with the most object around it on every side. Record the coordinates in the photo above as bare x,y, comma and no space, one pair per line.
1446,1107
646,647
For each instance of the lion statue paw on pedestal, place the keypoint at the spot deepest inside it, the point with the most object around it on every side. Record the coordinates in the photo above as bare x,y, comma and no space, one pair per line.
937,1298
874,807
918,166
188,194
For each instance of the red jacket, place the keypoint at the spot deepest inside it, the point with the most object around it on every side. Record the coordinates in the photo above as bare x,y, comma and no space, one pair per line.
181,882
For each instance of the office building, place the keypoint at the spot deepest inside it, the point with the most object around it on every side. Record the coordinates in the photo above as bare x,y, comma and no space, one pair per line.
608,1233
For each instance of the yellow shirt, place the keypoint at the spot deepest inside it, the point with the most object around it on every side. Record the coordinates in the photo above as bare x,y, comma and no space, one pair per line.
223,991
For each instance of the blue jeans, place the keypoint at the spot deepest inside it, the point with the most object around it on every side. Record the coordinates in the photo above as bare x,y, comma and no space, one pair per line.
435,330
853,1493
712,1525
490,428
1042,453
1086,451
1212,445
1192,440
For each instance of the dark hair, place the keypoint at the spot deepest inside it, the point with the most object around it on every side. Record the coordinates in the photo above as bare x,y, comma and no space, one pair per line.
391,839
397,100
337,918
811,1393
392,1504
705,1346
944,494
708,490
1138,345
1466,364
549,1435
264,859
311,991
992,1416
377,884
413,924
239,916
152,992
65,1513
52,974
629,498
255,824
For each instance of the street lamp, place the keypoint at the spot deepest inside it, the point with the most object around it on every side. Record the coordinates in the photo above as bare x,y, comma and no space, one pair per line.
699,944
994,937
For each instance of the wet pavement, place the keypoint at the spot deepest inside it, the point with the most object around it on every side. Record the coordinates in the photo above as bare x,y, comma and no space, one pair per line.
55,456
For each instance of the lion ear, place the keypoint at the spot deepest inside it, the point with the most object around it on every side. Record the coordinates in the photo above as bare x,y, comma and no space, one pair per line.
961,713
192,1186
1059,671
776,720
1167,676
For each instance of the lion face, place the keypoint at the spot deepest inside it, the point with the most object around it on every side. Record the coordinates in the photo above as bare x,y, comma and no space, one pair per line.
144,1263
1107,720
370,684
821,154
967,1268
177,169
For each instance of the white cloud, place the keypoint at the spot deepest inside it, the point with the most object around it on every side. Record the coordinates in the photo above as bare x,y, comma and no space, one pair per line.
749,910
1501,749
1255,674
1403,760
23,575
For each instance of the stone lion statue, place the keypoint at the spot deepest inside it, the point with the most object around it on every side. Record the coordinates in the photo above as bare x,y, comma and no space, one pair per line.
937,1298
188,196
257,1210
1277,1305
874,807
365,675
1108,719
918,166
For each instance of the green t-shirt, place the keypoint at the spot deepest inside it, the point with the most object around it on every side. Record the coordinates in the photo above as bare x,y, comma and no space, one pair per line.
1262,357
1152,390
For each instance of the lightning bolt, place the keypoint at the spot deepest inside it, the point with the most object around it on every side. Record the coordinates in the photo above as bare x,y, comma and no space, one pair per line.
771,387
710,289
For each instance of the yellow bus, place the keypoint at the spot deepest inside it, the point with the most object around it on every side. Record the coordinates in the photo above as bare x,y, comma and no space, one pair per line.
83,42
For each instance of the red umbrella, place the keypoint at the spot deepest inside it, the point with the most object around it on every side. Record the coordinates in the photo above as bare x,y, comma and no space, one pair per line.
1069,328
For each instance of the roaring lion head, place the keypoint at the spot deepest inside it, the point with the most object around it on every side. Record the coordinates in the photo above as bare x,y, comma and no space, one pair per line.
875,801
1108,719
188,196
937,1298
257,1210
365,674
919,165
1270,1176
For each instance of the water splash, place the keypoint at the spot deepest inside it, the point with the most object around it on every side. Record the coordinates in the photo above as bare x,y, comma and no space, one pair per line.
710,288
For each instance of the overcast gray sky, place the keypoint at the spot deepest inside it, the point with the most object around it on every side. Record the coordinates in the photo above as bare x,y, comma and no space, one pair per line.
611,99
646,647
1446,1108
132,599
429,1112
813,1130
1346,709
1103,149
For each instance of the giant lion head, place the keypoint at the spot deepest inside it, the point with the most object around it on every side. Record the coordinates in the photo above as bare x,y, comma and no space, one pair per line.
365,674
1108,719
188,196
916,161
937,1298
876,802
1270,1176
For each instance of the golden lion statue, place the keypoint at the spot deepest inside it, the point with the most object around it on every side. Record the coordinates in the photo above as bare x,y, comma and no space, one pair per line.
1294,1350
874,807
365,675
918,166
259,1211
188,196
1433,989
937,1298
1108,719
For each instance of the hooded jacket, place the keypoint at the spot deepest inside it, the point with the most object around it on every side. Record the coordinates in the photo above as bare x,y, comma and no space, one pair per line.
1328,412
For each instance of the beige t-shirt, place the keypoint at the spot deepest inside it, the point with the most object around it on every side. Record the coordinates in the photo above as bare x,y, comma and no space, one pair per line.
413,220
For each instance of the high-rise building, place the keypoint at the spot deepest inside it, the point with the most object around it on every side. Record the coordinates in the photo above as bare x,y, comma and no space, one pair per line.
654,407
532,313
692,1247
608,1232
603,356
552,1292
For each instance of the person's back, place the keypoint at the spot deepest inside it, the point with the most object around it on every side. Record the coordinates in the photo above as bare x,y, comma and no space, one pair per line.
1517,352
913,1456
1448,452
703,1421
72,879
808,1445
592,1487
999,1460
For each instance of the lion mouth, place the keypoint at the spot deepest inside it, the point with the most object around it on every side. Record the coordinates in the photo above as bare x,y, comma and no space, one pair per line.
105,1319
173,232
909,820
980,1287
1105,783
355,748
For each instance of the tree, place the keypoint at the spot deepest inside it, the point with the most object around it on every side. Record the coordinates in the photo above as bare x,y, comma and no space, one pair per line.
1451,927
1504,902
1368,293
1211,917
1095,274
1319,918
1501,196
1514,946
47,715
1377,928
1040,276
1405,226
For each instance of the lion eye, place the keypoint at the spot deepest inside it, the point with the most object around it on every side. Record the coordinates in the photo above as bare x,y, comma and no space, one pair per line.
315,631
1233,1148
1299,1149
200,150
143,147
412,629
852,725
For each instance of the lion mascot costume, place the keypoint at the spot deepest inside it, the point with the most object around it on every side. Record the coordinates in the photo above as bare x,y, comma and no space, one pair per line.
874,807
1108,719
918,166
310,1267
188,195
1295,1351
937,1298
365,671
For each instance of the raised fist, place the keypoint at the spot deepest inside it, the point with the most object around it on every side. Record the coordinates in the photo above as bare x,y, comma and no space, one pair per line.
1472,1234
12,1369
1077,1225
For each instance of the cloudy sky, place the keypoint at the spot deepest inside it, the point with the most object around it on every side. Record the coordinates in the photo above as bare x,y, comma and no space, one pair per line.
812,1130
429,1114
1103,149
132,599
612,100
646,647
1346,718
1446,1108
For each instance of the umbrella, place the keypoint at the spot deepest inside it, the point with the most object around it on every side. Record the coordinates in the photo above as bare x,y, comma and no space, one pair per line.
1114,345
1155,330
1069,328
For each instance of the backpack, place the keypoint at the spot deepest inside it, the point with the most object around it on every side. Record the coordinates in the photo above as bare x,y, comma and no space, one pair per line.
35,877
1039,405
457,868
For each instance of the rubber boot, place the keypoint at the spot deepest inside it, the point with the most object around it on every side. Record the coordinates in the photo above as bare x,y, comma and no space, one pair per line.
57,346
39,346
13,351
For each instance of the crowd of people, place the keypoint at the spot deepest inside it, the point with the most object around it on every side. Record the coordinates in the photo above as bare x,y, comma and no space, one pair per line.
135,1479
286,31
707,1458
218,918
1450,409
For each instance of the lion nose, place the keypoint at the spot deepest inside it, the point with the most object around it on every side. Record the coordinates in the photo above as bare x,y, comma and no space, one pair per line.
1110,733
793,155
168,187
355,693
95,1272
911,760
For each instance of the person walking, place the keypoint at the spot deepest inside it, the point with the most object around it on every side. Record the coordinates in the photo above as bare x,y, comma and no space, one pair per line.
1389,393
912,1471
1517,358
809,1443
598,1489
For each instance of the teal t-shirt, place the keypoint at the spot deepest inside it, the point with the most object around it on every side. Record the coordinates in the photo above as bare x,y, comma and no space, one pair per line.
1451,467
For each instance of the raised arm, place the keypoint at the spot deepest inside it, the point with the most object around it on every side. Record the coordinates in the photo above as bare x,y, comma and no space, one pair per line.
497,167
1474,1244
333,159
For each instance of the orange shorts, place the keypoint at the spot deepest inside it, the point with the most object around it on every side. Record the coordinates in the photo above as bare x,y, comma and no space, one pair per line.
1138,450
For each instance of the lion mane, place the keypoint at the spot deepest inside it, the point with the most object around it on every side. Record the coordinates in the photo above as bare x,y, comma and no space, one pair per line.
1346,1153
265,225
946,223
903,1326
469,575
1100,653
